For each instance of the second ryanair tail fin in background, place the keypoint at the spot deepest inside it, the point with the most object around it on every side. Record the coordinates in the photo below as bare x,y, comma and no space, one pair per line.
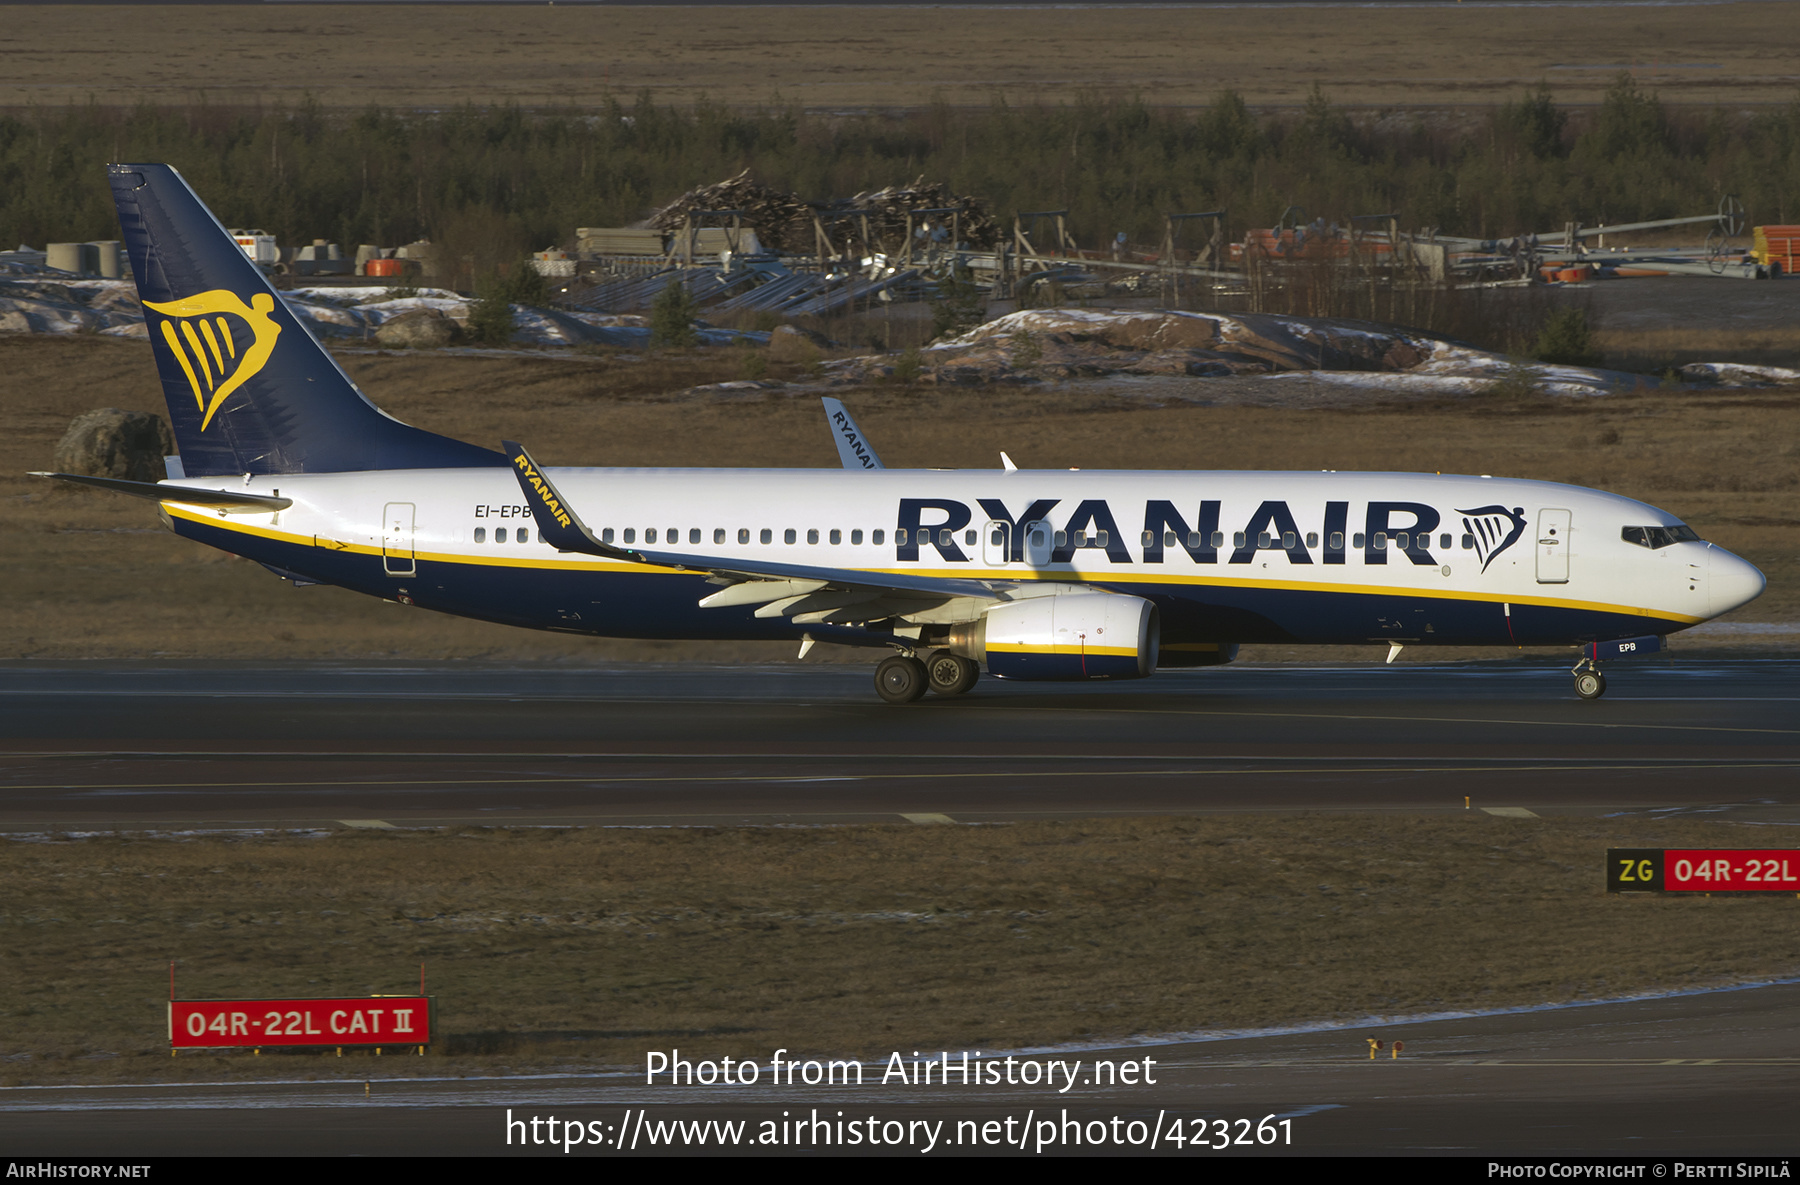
249,389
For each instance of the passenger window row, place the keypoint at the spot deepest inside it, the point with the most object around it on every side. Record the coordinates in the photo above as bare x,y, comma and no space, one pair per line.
671,537
1652,537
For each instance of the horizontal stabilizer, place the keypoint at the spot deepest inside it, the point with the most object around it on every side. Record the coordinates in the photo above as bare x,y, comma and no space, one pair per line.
164,492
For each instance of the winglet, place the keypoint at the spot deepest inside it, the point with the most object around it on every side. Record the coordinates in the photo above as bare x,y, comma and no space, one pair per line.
558,524
1008,462
853,448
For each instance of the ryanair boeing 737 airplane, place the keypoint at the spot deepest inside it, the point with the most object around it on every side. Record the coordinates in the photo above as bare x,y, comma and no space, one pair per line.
1061,575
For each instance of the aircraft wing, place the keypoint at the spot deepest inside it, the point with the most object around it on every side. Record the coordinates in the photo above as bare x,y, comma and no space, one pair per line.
807,593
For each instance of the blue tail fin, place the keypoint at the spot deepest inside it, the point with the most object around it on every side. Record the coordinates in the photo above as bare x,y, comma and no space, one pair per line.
249,389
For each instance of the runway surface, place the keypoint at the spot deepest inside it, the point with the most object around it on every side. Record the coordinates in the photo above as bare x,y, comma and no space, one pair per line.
189,746
1692,1075
218,746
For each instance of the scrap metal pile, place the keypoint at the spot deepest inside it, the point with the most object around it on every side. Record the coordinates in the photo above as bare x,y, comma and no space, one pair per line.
786,223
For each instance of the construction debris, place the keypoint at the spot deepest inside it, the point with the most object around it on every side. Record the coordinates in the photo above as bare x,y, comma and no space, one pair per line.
782,221
882,220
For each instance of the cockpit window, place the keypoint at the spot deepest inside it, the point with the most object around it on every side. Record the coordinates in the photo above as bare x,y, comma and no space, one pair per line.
1656,537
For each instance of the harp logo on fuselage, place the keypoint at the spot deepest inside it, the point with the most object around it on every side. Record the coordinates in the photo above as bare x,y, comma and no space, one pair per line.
220,342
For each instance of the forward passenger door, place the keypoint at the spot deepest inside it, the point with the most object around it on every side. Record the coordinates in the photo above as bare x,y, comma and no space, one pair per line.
1553,546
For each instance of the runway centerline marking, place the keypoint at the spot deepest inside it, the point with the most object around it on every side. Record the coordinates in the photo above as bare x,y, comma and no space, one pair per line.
750,779
1465,720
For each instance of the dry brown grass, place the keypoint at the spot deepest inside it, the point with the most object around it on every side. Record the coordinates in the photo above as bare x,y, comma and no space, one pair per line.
87,575
1658,350
596,945
860,57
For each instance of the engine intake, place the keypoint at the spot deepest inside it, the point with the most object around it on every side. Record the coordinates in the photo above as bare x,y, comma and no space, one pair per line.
1071,636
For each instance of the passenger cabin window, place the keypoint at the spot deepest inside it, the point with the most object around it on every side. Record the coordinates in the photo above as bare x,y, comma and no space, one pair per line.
1288,539
789,536
875,537
718,534
743,534
1237,539
1218,539
1337,541
1062,538
649,534
969,538
1262,540
856,539
1401,540
524,535
1444,542
767,536
812,535
631,534
1656,538
481,534
899,538
1312,538
1358,540
606,535
500,534
837,536
694,534
1468,543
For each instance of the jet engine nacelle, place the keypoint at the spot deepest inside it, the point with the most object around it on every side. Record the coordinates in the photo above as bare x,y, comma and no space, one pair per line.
1085,635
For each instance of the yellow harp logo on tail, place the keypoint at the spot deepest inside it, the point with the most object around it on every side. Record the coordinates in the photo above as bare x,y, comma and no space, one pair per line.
205,332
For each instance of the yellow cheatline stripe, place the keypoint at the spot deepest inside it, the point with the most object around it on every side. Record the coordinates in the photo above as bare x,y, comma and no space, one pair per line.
187,331
566,563
168,329
1396,590
212,343
1097,651
225,332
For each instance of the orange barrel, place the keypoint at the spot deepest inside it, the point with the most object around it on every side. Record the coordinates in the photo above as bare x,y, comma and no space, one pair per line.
384,267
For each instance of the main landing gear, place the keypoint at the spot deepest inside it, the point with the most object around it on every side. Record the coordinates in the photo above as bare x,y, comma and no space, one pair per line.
902,679
1589,682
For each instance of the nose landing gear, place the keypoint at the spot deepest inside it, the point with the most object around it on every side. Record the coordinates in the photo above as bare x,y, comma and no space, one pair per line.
1589,682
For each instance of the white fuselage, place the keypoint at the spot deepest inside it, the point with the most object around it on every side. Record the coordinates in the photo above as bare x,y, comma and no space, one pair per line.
1230,556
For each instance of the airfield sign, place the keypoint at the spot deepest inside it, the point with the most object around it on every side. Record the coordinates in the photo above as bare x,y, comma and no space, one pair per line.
1703,870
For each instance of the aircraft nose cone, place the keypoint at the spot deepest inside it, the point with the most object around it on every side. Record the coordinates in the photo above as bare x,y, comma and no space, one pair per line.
1733,582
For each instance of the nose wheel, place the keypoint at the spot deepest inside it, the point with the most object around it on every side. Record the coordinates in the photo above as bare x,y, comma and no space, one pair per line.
1589,682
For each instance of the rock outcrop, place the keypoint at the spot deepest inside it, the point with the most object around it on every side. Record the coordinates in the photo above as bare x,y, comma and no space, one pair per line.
420,329
114,443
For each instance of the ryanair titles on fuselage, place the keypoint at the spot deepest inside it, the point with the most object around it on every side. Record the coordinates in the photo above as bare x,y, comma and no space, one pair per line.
940,524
